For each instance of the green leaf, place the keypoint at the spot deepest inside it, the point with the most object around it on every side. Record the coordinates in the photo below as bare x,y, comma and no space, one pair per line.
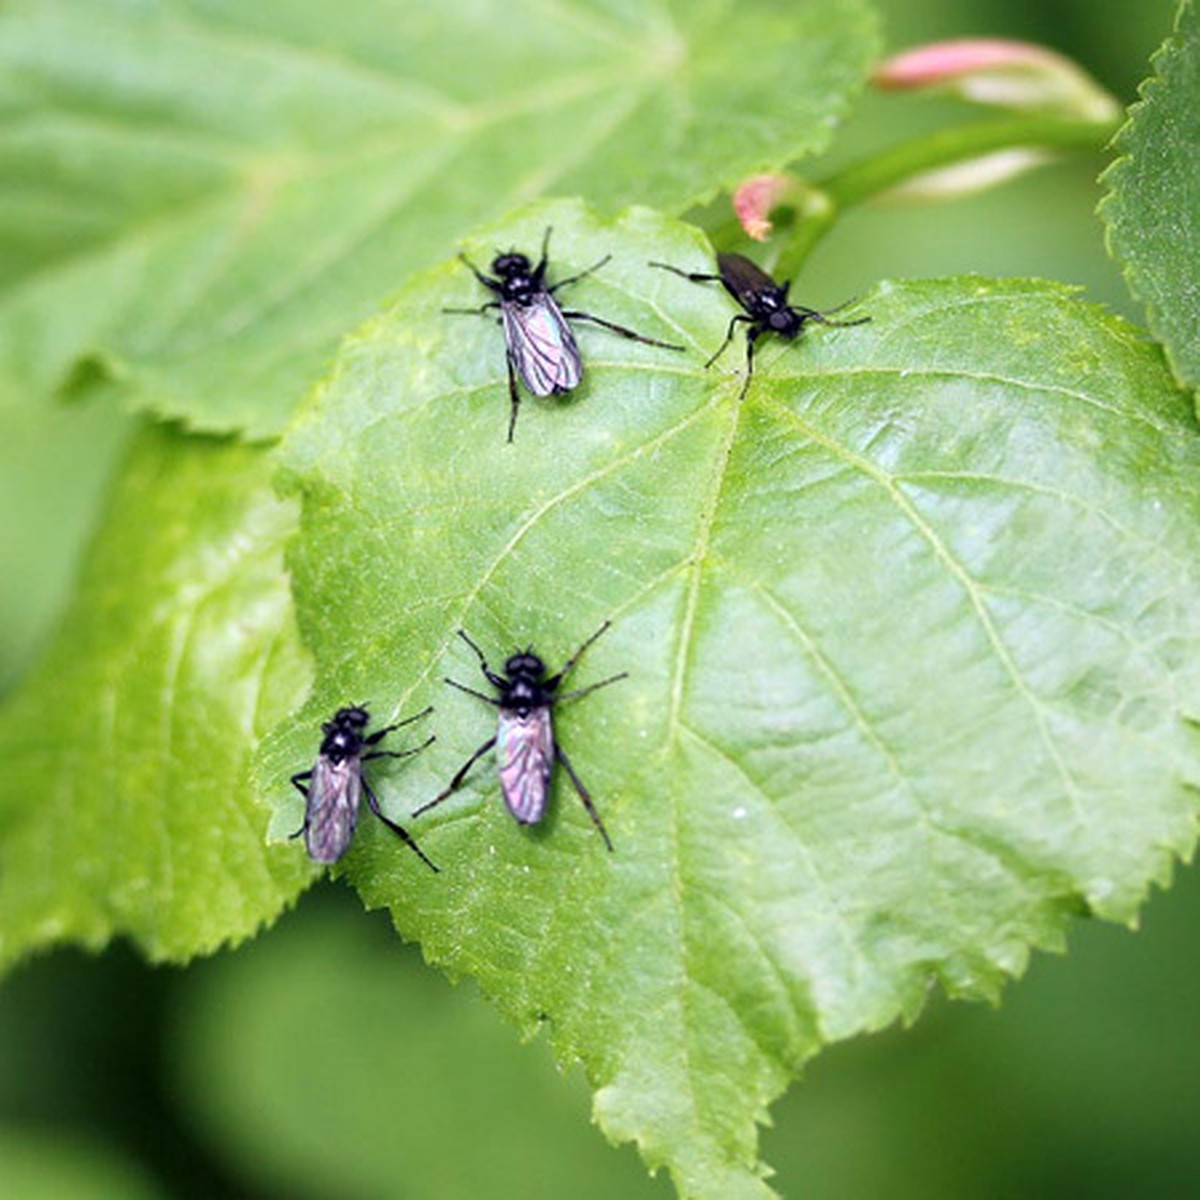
202,196
46,515
37,1165
912,635
1152,209
124,806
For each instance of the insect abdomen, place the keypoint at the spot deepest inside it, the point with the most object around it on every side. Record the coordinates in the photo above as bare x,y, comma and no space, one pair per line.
543,347
525,757
333,801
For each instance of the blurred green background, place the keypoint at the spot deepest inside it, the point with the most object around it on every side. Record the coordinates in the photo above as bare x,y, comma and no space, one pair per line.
324,1060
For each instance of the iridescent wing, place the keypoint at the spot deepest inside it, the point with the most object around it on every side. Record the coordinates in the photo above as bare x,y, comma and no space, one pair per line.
333,797
745,281
542,346
525,756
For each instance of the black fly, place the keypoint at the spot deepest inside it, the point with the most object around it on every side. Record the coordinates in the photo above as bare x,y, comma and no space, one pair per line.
337,783
538,342
525,747
767,309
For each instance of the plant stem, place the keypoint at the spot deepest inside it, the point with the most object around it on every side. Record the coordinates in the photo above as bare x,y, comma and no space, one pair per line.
869,178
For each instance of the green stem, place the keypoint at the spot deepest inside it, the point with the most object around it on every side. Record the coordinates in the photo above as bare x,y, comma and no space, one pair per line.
871,177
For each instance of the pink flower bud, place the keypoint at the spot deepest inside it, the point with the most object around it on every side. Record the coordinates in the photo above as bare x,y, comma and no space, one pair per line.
996,71
756,198
761,195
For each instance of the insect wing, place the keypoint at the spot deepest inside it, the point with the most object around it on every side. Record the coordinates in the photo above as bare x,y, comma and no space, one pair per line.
744,280
525,756
542,345
333,799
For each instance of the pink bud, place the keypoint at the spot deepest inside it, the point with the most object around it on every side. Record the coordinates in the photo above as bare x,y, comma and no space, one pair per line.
755,199
997,71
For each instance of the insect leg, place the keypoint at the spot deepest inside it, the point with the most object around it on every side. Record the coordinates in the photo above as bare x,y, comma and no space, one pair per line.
401,753
540,269
823,318
513,395
734,321
584,795
591,687
629,333
813,314
488,283
492,677
694,276
474,312
462,687
396,829
569,666
457,781
299,786
562,283
752,335
380,734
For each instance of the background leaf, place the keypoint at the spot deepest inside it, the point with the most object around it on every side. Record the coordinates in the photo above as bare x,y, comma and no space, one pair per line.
1084,1081
48,515
43,1166
124,805
438,1064
200,211
1153,207
911,631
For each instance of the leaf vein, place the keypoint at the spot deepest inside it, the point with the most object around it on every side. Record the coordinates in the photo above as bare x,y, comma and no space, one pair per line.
845,696
1041,489
975,376
537,515
964,579
838,919
218,33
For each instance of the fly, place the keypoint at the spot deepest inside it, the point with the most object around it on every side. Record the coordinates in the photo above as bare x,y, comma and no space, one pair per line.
336,784
525,747
766,305
539,345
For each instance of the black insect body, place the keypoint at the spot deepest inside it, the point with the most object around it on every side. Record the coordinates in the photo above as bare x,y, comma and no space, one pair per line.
525,747
539,345
766,305
336,784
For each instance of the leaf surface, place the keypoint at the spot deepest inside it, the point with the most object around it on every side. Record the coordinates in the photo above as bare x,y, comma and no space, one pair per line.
200,196
125,806
1152,209
68,1166
911,633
